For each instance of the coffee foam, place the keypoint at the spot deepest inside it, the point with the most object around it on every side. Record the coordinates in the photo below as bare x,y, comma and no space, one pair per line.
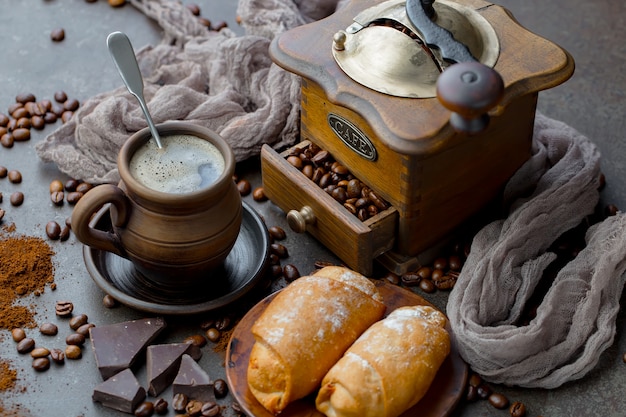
185,164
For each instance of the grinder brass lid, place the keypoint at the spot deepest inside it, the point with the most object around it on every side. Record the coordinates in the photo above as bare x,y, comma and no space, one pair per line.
384,51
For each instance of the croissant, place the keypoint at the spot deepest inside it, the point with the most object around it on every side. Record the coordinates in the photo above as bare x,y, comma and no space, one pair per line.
306,329
389,368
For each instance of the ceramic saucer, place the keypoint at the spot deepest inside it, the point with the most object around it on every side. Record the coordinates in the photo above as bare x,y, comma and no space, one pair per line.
242,270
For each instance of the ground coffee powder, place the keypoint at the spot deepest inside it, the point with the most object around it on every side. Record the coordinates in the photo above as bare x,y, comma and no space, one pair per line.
26,267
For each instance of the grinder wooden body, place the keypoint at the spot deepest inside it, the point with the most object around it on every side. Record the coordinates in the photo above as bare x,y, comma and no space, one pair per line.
434,177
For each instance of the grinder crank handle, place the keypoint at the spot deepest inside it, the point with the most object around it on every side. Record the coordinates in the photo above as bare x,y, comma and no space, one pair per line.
469,90
419,13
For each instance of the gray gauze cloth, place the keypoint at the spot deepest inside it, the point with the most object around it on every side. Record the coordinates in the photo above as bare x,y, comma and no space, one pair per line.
225,82
576,321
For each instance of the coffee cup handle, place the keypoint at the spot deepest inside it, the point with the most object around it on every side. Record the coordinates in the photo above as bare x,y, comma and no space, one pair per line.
91,202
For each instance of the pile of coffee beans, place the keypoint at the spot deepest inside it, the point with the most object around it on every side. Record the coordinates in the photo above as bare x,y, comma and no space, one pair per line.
477,389
320,167
27,113
41,356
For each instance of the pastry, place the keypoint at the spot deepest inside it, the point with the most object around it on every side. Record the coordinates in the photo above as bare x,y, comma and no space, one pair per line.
305,329
389,368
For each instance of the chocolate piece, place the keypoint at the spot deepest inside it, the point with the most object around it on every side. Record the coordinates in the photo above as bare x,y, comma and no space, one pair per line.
163,361
121,392
193,381
118,346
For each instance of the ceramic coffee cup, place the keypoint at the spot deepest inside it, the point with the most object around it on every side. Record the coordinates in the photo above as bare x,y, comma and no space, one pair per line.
174,223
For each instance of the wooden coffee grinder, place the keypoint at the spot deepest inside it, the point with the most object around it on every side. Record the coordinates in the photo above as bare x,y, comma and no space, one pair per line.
430,104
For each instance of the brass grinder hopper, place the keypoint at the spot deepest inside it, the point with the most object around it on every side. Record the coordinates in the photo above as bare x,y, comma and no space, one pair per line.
431,104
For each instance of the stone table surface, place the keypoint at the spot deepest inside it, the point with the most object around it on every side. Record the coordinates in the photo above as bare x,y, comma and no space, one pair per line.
592,102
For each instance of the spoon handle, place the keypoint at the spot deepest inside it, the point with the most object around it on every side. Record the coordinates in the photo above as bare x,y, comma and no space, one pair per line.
123,55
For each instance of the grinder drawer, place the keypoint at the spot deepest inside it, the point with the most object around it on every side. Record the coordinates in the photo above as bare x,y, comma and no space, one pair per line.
310,208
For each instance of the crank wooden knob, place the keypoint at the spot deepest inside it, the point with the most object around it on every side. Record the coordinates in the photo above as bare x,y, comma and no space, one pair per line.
469,90
298,220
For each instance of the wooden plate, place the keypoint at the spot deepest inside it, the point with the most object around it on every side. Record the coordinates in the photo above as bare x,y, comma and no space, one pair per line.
442,397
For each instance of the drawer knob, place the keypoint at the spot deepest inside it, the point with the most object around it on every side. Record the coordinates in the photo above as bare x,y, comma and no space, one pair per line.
298,220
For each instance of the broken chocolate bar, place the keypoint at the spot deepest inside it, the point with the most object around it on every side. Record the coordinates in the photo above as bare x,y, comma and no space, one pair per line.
163,361
118,346
121,392
193,381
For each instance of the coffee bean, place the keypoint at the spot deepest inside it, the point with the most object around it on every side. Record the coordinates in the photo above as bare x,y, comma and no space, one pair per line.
25,345
64,308
455,263
109,301
290,272
7,140
223,323
427,286
23,123
517,409
446,282
73,352
1,212
25,98
84,329
66,116
50,117
83,187
472,393
244,187
40,352
3,171
391,278
161,406
259,194
484,391
56,185
436,274
277,233
4,120
16,198
220,388
276,270
60,96
213,334
18,114
193,408
77,321
14,176
73,197
57,35
18,334
210,409
49,329
498,400
53,230
179,402
21,134
279,250
38,122
57,356
410,279
117,3
65,234
41,364
237,409
71,184
475,380
295,161
196,340
76,339
145,409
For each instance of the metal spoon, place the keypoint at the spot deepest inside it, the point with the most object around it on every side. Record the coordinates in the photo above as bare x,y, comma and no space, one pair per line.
123,55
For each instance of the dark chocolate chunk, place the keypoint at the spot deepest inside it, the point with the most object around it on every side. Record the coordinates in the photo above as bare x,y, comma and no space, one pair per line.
163,361
118,346
121,392
193,381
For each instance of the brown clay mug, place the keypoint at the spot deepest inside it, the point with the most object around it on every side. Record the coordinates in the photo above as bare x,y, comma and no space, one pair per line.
173,237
